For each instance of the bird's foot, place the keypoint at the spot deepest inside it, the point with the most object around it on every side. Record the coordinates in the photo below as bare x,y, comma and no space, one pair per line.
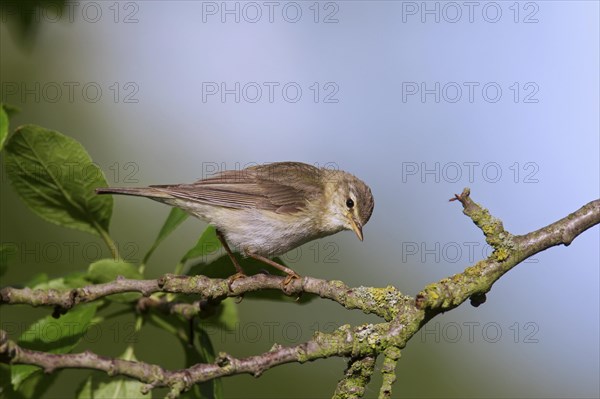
234,277
288,280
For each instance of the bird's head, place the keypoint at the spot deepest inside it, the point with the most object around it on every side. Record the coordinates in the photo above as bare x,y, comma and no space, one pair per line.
349,202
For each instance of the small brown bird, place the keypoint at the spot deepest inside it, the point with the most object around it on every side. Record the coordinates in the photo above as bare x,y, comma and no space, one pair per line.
264,211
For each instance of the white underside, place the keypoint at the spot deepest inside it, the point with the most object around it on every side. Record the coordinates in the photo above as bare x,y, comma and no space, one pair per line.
258,231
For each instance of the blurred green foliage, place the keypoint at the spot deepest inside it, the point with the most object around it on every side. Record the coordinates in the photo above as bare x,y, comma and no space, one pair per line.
24,16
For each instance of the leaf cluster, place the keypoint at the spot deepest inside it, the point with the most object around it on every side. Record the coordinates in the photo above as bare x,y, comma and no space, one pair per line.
56,178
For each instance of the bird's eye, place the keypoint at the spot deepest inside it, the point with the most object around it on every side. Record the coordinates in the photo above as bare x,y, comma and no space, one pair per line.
349,203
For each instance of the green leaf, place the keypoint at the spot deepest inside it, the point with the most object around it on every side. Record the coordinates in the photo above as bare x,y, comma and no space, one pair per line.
72,280
37,280
203,352
35,386
56,178
223,315
207,244
214,388
3,126
54,336
103,387
6,389
41,281
199,352
10,110
175,218
227,316
7,111
107,270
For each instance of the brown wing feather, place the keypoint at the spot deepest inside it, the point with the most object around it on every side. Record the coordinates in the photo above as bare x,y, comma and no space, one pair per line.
281,187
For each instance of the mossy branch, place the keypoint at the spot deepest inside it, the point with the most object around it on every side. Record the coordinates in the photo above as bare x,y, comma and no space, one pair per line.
404,316
388,370
357,376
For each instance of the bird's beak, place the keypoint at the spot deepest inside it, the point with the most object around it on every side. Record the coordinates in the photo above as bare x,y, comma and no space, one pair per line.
357,228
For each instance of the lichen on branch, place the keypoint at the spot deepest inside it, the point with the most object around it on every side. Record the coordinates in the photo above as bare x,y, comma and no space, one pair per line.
402,316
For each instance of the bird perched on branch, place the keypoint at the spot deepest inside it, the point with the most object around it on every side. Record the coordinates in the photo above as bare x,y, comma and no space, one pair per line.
266,210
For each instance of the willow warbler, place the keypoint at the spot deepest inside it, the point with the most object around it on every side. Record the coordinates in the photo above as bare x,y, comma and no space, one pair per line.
264,211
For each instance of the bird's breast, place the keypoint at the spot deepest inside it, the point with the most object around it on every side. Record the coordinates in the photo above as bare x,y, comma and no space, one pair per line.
267,233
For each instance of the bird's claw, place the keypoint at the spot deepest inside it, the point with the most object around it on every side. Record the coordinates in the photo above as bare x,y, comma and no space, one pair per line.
290,277
234,277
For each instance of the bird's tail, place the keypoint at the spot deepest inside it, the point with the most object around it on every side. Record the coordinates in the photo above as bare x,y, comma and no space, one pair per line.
136,191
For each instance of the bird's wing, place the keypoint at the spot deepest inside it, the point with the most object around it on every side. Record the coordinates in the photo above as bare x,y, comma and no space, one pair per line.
282,187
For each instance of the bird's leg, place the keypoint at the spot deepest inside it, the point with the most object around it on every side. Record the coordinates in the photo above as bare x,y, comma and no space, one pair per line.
290,273
240,272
